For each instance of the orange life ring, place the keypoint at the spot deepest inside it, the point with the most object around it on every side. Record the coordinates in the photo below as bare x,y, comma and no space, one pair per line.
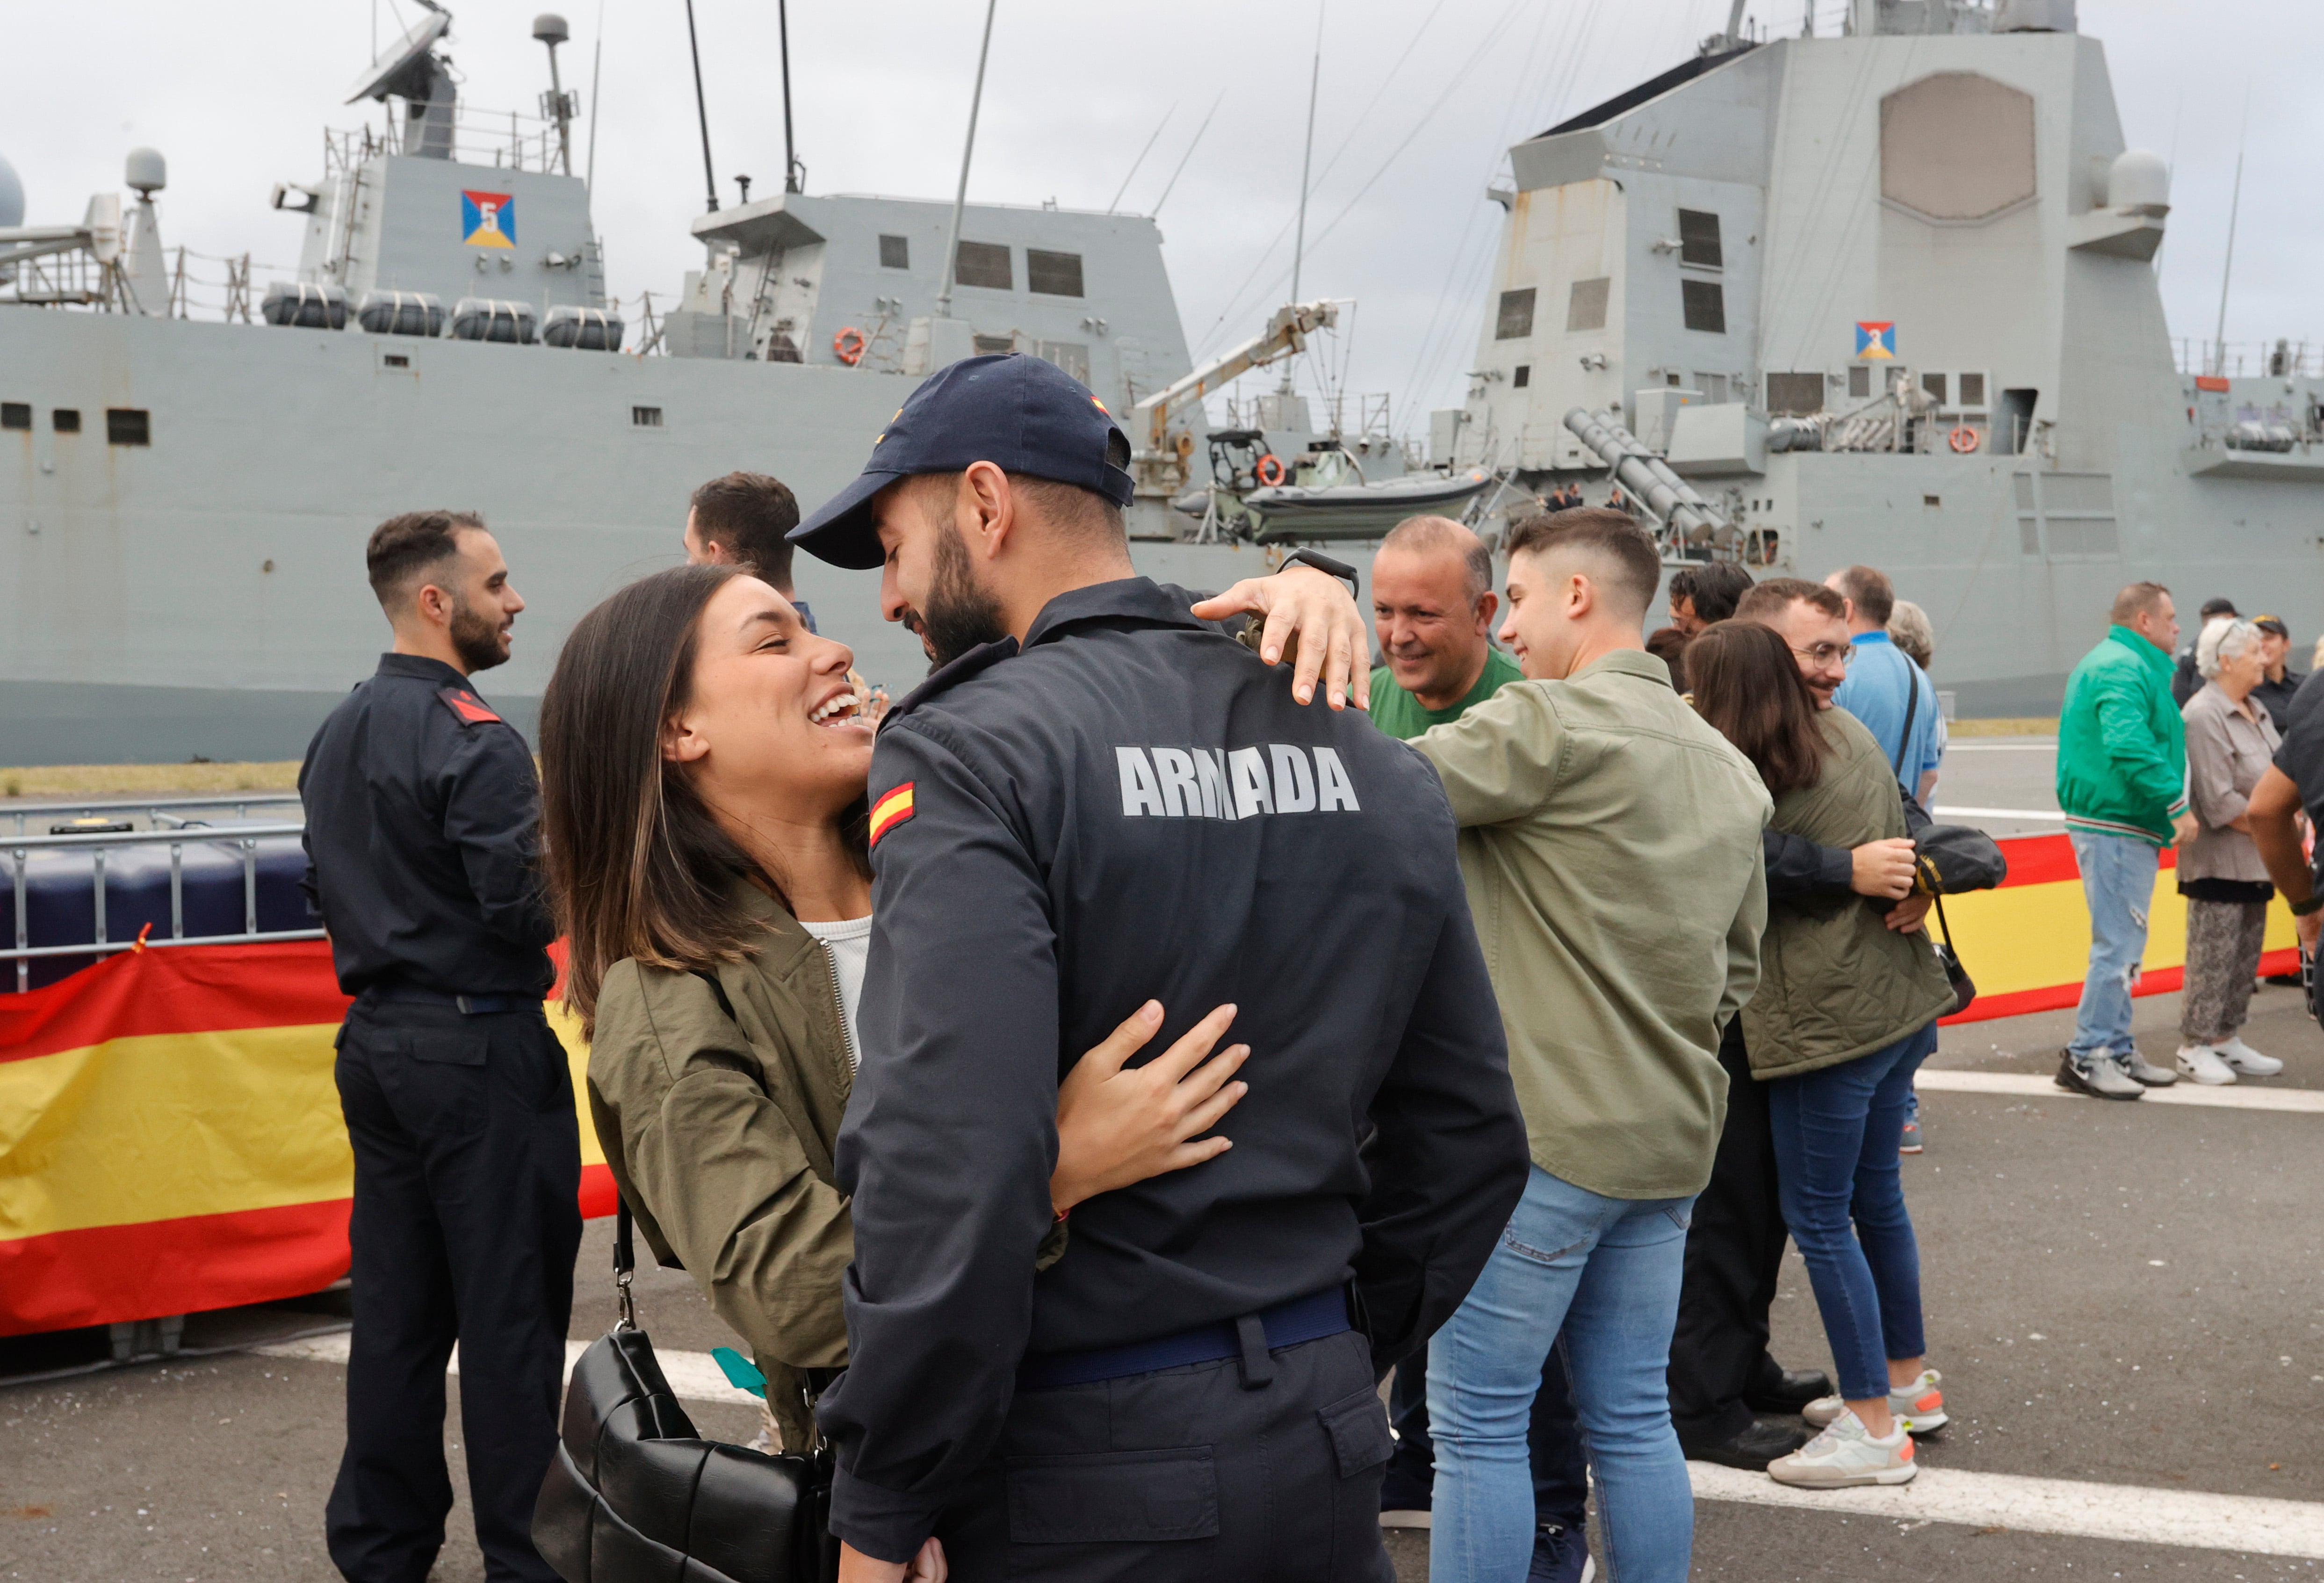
1963,439
848,344
1270,470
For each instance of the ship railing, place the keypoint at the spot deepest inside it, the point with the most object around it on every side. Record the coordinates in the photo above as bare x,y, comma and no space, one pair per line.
505,138
243,838
160,812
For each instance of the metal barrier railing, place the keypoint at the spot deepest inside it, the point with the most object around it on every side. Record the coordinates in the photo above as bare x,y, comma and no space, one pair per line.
245,837
156,810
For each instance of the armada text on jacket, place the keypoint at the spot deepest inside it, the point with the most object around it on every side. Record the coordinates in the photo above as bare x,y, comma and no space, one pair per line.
1133,804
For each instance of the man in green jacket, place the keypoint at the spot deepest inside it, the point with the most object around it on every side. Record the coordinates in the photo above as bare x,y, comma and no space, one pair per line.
2122,782
1610,843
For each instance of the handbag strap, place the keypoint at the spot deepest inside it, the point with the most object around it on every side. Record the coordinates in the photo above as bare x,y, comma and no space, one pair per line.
1911,710
625,1264
1943,928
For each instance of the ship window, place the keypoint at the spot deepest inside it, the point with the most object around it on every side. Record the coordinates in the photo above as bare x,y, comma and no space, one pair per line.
1859,384
1972,390
1585,305
1935,384
1522,377
128,426
1794,395
66,420
15,414
1053,275
1698,238
984,263
645,417
1515,319
895,253
993,346
1705,305
1073,356
396,360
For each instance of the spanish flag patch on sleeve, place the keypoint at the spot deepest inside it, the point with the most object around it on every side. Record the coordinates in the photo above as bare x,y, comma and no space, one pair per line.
893,809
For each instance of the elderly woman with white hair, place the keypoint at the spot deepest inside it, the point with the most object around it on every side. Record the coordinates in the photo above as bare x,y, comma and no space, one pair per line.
2230,743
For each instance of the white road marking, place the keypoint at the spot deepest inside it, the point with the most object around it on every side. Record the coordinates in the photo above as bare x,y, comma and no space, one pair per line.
2044,746
1954,811
692,1376
2189,1518
2234,1097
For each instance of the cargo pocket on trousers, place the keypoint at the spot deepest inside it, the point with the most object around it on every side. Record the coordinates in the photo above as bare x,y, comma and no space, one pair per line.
1357,1425
1113,1497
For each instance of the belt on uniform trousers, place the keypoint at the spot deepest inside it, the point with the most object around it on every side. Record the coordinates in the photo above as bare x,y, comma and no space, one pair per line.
1249,1338
470,1005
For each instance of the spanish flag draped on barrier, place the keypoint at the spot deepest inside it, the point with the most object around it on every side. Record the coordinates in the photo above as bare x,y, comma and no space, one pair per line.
170,1138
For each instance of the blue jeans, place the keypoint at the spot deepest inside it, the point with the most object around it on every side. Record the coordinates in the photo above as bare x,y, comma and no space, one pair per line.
2118,882
1605,1272
1836,1136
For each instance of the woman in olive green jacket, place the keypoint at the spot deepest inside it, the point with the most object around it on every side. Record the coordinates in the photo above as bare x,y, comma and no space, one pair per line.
704,760
1844,1015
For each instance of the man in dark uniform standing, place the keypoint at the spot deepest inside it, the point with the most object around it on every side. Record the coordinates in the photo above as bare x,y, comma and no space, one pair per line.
1096,793
422,806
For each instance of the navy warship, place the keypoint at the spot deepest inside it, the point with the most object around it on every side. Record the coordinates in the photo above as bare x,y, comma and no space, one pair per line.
1885,296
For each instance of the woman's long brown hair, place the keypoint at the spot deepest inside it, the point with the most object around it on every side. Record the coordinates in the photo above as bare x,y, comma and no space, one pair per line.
1748,686
635,863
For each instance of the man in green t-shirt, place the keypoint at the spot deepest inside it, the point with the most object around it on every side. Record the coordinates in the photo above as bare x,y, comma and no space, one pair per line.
1433,605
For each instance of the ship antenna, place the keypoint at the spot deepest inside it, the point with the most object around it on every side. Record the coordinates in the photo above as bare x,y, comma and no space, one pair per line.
1307,160
794,173
2227,270
596,63
960,196
701,109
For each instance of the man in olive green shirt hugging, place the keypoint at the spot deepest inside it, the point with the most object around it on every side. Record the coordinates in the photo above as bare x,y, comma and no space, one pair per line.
1433,605
1432,609
1611,841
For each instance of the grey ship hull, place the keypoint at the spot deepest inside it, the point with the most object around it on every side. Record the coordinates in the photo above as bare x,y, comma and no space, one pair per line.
204,594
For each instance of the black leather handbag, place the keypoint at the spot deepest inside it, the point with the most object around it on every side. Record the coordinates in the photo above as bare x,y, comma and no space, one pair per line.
636,1493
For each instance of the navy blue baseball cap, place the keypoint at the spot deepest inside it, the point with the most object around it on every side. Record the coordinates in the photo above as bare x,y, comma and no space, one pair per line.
1022,415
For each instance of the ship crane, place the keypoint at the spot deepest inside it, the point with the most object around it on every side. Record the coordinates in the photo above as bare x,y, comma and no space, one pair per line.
1286,332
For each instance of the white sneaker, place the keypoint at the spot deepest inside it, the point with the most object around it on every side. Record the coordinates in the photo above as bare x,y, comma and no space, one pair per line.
1844,1455
1920,1406
2248,1060
2202,1063
2139,1069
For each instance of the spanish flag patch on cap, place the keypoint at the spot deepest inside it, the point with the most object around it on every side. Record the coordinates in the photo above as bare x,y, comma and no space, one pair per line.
892,810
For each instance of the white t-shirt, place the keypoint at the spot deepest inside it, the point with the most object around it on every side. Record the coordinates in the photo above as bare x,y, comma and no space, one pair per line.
848,942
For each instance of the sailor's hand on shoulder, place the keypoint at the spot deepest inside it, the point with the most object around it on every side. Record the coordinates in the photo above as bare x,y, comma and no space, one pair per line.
1313,613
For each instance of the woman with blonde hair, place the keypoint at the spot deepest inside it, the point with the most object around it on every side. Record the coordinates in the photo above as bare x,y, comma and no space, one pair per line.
2230,743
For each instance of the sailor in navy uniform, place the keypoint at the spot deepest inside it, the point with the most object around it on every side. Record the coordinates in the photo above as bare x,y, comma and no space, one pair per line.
1103,798
422,809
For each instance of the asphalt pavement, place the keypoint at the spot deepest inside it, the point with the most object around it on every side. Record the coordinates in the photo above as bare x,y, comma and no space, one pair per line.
2121,1296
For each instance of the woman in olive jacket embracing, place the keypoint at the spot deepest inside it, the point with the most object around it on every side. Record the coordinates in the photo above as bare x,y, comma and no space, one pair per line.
1844,1015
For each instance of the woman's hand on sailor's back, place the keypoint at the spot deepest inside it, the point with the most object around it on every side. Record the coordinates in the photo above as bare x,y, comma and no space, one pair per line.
1117,1123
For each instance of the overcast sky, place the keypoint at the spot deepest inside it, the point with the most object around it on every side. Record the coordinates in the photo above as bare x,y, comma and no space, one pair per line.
1420,101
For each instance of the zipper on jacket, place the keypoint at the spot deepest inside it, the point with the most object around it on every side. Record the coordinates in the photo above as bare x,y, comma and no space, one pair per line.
846,1034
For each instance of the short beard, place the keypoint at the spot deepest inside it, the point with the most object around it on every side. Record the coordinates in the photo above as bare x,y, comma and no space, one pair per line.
476,640
960,615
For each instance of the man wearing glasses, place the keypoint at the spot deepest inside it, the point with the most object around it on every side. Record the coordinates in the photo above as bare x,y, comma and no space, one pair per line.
1891,695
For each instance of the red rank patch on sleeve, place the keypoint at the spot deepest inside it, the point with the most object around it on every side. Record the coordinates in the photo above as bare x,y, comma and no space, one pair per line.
471,710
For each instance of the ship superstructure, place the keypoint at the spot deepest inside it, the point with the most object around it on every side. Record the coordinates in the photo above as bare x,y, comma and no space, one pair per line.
187,501
1889,298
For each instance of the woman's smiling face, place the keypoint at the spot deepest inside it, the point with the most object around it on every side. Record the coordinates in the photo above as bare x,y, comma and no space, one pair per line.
771,721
